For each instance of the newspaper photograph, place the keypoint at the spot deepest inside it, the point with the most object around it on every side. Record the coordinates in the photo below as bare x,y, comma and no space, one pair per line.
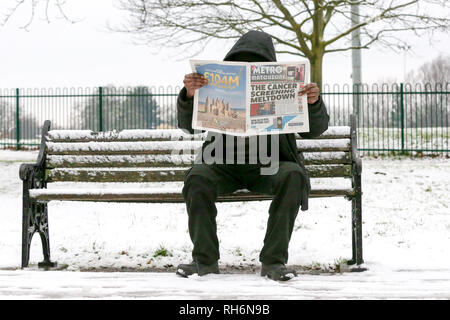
254,98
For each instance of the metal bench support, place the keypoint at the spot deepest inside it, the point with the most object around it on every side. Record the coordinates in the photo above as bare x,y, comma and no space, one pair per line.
357,246
35,214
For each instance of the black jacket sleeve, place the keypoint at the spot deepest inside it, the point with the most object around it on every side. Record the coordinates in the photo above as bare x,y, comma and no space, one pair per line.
184,111
318,120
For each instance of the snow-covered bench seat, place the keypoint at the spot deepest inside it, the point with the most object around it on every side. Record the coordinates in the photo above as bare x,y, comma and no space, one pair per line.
159,157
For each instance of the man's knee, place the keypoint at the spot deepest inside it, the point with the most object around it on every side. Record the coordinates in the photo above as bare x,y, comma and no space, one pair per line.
289,186
290,173
198,186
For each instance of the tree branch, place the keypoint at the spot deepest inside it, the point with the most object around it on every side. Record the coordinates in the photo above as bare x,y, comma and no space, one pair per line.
369,21
32,15
303,45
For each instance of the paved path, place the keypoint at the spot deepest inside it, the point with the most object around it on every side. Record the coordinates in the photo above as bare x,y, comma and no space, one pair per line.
406,284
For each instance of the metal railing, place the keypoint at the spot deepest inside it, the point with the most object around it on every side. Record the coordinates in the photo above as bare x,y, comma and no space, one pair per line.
395,118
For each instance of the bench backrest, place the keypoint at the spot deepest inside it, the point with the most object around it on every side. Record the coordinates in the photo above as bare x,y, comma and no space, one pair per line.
164,155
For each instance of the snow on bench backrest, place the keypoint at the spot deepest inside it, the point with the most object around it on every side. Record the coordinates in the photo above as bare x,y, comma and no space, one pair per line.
155,134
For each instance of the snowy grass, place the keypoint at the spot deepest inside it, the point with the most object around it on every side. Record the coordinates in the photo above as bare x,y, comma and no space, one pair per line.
414,139
406,228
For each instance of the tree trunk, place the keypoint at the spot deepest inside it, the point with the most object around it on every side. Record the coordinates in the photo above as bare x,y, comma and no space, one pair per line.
316,69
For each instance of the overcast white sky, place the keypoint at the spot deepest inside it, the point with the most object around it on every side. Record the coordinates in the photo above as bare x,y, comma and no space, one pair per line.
86,54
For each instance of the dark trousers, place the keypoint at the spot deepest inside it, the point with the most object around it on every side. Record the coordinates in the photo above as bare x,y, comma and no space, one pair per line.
204,183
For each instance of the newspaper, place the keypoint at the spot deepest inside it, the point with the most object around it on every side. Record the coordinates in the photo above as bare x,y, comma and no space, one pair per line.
251,98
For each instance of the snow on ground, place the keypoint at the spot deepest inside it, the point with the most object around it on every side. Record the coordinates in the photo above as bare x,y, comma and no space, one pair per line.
137,285
406,232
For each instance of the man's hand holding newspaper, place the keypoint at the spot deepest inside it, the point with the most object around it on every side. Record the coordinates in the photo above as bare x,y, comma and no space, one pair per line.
192,82
312,92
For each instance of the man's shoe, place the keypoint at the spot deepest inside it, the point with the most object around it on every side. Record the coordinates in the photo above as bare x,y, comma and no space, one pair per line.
186,270
277,272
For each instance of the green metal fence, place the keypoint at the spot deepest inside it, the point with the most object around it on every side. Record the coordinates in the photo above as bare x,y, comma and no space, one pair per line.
395,118
23,111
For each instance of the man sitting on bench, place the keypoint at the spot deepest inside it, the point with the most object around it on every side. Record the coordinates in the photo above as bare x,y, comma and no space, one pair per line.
288,182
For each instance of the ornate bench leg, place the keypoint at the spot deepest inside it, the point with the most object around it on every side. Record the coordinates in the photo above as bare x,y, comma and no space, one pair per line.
357,253
357,246
357,250
42,214
28,230
353,260
35,219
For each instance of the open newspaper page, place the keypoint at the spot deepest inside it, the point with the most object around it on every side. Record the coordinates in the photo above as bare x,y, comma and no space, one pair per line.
251,98
220,106
275,106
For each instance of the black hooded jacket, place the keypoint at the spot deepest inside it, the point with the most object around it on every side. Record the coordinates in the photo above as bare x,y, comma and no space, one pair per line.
260,44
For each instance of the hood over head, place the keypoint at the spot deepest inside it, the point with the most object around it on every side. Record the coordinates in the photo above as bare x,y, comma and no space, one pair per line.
255,43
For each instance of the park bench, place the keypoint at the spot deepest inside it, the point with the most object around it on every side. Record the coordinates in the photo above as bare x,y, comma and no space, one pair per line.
156,157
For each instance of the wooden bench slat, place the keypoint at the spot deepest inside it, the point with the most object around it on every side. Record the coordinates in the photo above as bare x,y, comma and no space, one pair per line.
141,195
163,174
119,148
173,147
109,175
336,132
119,161
324,145
144,161
327,157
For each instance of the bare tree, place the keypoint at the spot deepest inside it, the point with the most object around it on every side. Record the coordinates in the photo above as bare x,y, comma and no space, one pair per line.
434,72
126,108
35,7
306,28
430,108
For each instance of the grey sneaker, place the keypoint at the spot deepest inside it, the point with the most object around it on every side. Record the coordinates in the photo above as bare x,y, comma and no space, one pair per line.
186,270
277,272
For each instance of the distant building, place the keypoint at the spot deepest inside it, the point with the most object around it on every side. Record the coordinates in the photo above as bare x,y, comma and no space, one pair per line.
216,107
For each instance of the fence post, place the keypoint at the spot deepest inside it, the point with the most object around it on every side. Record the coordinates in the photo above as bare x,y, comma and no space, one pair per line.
100,109
402,115
17,119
